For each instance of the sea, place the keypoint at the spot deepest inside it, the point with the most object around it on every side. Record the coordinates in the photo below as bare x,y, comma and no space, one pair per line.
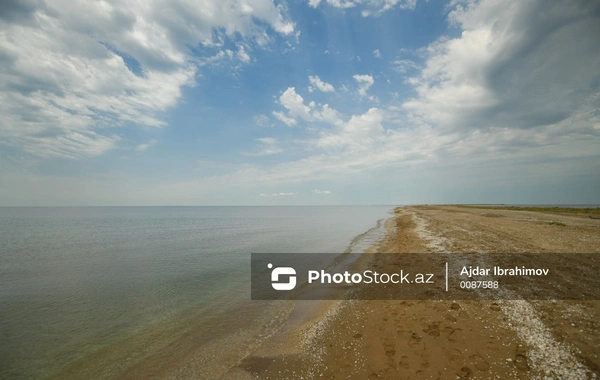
140,292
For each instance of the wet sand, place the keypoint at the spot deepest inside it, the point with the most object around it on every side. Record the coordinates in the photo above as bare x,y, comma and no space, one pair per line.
449,339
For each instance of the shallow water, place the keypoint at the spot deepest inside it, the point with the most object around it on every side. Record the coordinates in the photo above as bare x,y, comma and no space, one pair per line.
98,291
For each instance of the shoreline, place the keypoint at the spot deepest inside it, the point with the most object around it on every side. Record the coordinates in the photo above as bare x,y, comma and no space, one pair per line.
290,348
392,339
456,339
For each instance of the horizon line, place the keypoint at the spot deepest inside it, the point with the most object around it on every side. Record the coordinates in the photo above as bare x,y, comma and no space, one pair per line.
324,205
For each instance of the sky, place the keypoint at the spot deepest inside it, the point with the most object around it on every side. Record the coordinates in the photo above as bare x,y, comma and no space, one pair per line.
261,102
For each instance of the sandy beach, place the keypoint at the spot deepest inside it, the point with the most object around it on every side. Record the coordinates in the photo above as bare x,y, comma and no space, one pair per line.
496,339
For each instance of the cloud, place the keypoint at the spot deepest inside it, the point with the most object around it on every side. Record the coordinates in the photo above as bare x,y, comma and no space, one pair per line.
319,84
143,147
321,192
69,145
361,131
364,83
286,120
515,65
223,57
336,3
295,106
72,70
262,120
268,146
369,7
242,55
376,53
328,115
297,110
294,103
277,194
404,65
267,140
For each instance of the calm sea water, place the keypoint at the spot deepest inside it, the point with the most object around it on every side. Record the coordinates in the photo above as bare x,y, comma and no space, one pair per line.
94,292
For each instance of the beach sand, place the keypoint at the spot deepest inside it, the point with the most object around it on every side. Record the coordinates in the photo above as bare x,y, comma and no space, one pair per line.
497,339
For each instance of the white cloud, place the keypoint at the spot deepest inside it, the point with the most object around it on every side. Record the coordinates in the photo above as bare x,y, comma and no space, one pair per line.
73,68
267,140
268,146
361,131
218,58
364,83
321,192
143,147
376,53
328,115
342,3
369,7
70,145
404,65
277,194
319,84
515,65
262,120
297,110
286,120
242,55
294,103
